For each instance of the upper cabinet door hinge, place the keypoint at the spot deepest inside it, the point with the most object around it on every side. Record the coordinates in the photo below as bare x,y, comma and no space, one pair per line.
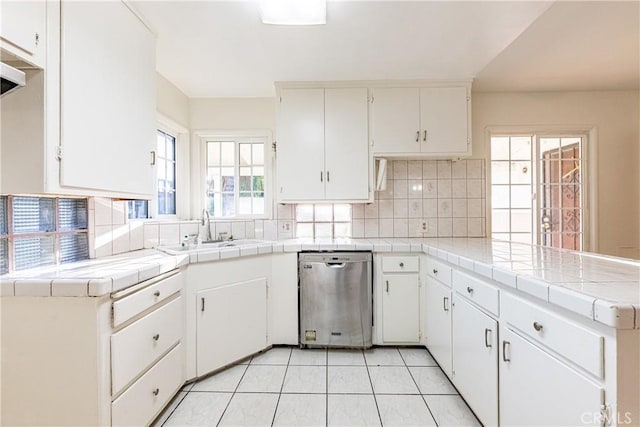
37,39
59,153
280,100
274,146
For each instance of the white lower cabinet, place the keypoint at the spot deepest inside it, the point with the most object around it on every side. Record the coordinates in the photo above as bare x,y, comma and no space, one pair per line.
438,323
401,308
231,323
475,359
537,389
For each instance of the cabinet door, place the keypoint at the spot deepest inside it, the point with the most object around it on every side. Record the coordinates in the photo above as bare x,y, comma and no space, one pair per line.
475,359
400,308
395,120
300,147
554,395
346,144
231,323
444,120
22,24
108,105
438,327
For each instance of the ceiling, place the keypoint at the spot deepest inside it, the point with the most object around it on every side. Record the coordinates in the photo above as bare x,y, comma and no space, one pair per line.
221,49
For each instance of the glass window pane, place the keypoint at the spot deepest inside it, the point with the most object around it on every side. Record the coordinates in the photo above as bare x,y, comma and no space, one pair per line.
228,154
161,144
258,154
548,145
213,154
258,170
500,220
245,184
74,247
323,230
228,183
33,214
161,168
137,209
520,172
342,212
499,196
521,148
4,256
171,147
324,213
228,204
171,171
245,154
570,171
304,212
4,220
214,204
258,203
214,180
500,148
342,229
72,214
304,230
258,183
500,172
564,142
33,252
244,203
521,220
521,196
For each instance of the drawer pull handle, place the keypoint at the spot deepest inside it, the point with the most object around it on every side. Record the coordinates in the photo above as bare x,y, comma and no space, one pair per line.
435,271
402,264
156,391
469,289
387,286
417,136
156,294
537,326
445,303
156,337
487,339
504,351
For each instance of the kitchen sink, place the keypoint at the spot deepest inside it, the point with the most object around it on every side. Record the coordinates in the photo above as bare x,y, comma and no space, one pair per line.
213,244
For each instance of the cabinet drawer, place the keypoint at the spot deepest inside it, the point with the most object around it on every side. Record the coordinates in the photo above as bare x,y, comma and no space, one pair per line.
439,270
146,397
483,294
149,295
138,345
578,344
398,264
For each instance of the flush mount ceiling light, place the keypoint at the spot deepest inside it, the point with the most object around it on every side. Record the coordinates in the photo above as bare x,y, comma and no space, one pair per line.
293,12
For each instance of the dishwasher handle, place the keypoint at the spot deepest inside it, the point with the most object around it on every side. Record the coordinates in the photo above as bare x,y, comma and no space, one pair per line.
335,264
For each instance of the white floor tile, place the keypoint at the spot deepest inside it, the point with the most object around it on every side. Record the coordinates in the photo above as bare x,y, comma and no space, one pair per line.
274,356
168,410
250,409
262,379
349,379
417,357
301,410
305,379
392,380
346,357
352,410
431,380
308,357
450,411
199,409
226,380
383,357
407,410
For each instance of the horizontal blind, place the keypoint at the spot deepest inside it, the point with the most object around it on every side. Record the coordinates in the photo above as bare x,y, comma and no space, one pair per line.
72,214
32,252
4,220
33,215
74,247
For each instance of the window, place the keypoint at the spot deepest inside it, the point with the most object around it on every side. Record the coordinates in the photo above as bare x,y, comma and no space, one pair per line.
235,183
538,189
166,169
42,231
137,209
323,220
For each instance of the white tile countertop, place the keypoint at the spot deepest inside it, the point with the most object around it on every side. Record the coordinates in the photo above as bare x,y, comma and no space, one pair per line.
603,288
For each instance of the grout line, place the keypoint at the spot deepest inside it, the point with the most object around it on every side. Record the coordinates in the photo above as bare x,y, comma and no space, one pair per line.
372,389
233,394
418,387
174,409
275,411
326,389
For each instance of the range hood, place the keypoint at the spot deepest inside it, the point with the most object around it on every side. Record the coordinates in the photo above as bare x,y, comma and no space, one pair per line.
10,78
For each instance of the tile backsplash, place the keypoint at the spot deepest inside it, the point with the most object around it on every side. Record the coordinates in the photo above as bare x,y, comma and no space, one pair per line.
423,198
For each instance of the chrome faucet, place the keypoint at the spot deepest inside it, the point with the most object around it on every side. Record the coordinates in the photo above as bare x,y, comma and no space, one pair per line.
206,223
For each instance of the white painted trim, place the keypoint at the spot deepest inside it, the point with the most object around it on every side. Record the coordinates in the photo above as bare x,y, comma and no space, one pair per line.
183,165
372,83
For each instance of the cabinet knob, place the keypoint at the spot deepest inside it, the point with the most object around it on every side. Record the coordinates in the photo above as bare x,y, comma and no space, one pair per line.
156,391
402,264
156,294
435,271
156,337
537,326
469,289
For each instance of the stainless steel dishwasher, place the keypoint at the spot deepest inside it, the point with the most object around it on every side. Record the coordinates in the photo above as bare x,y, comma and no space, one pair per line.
335,299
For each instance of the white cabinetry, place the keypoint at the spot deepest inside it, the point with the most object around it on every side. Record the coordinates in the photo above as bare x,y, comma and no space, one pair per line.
232,323
98,92
429,120
22,30
438,323
322,148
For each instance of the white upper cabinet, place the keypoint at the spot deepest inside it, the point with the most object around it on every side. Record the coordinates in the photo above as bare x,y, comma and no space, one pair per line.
421,121
322,145
22,28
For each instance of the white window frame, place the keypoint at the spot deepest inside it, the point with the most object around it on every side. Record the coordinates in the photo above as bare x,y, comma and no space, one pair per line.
590,159
200,147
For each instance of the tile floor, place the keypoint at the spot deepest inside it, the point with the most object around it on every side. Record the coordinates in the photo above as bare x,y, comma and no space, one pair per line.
286,386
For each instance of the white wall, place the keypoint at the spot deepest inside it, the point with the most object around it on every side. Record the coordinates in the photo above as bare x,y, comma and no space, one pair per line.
615,116
232,113
171,102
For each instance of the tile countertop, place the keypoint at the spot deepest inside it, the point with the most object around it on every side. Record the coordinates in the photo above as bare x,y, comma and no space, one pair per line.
603,288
